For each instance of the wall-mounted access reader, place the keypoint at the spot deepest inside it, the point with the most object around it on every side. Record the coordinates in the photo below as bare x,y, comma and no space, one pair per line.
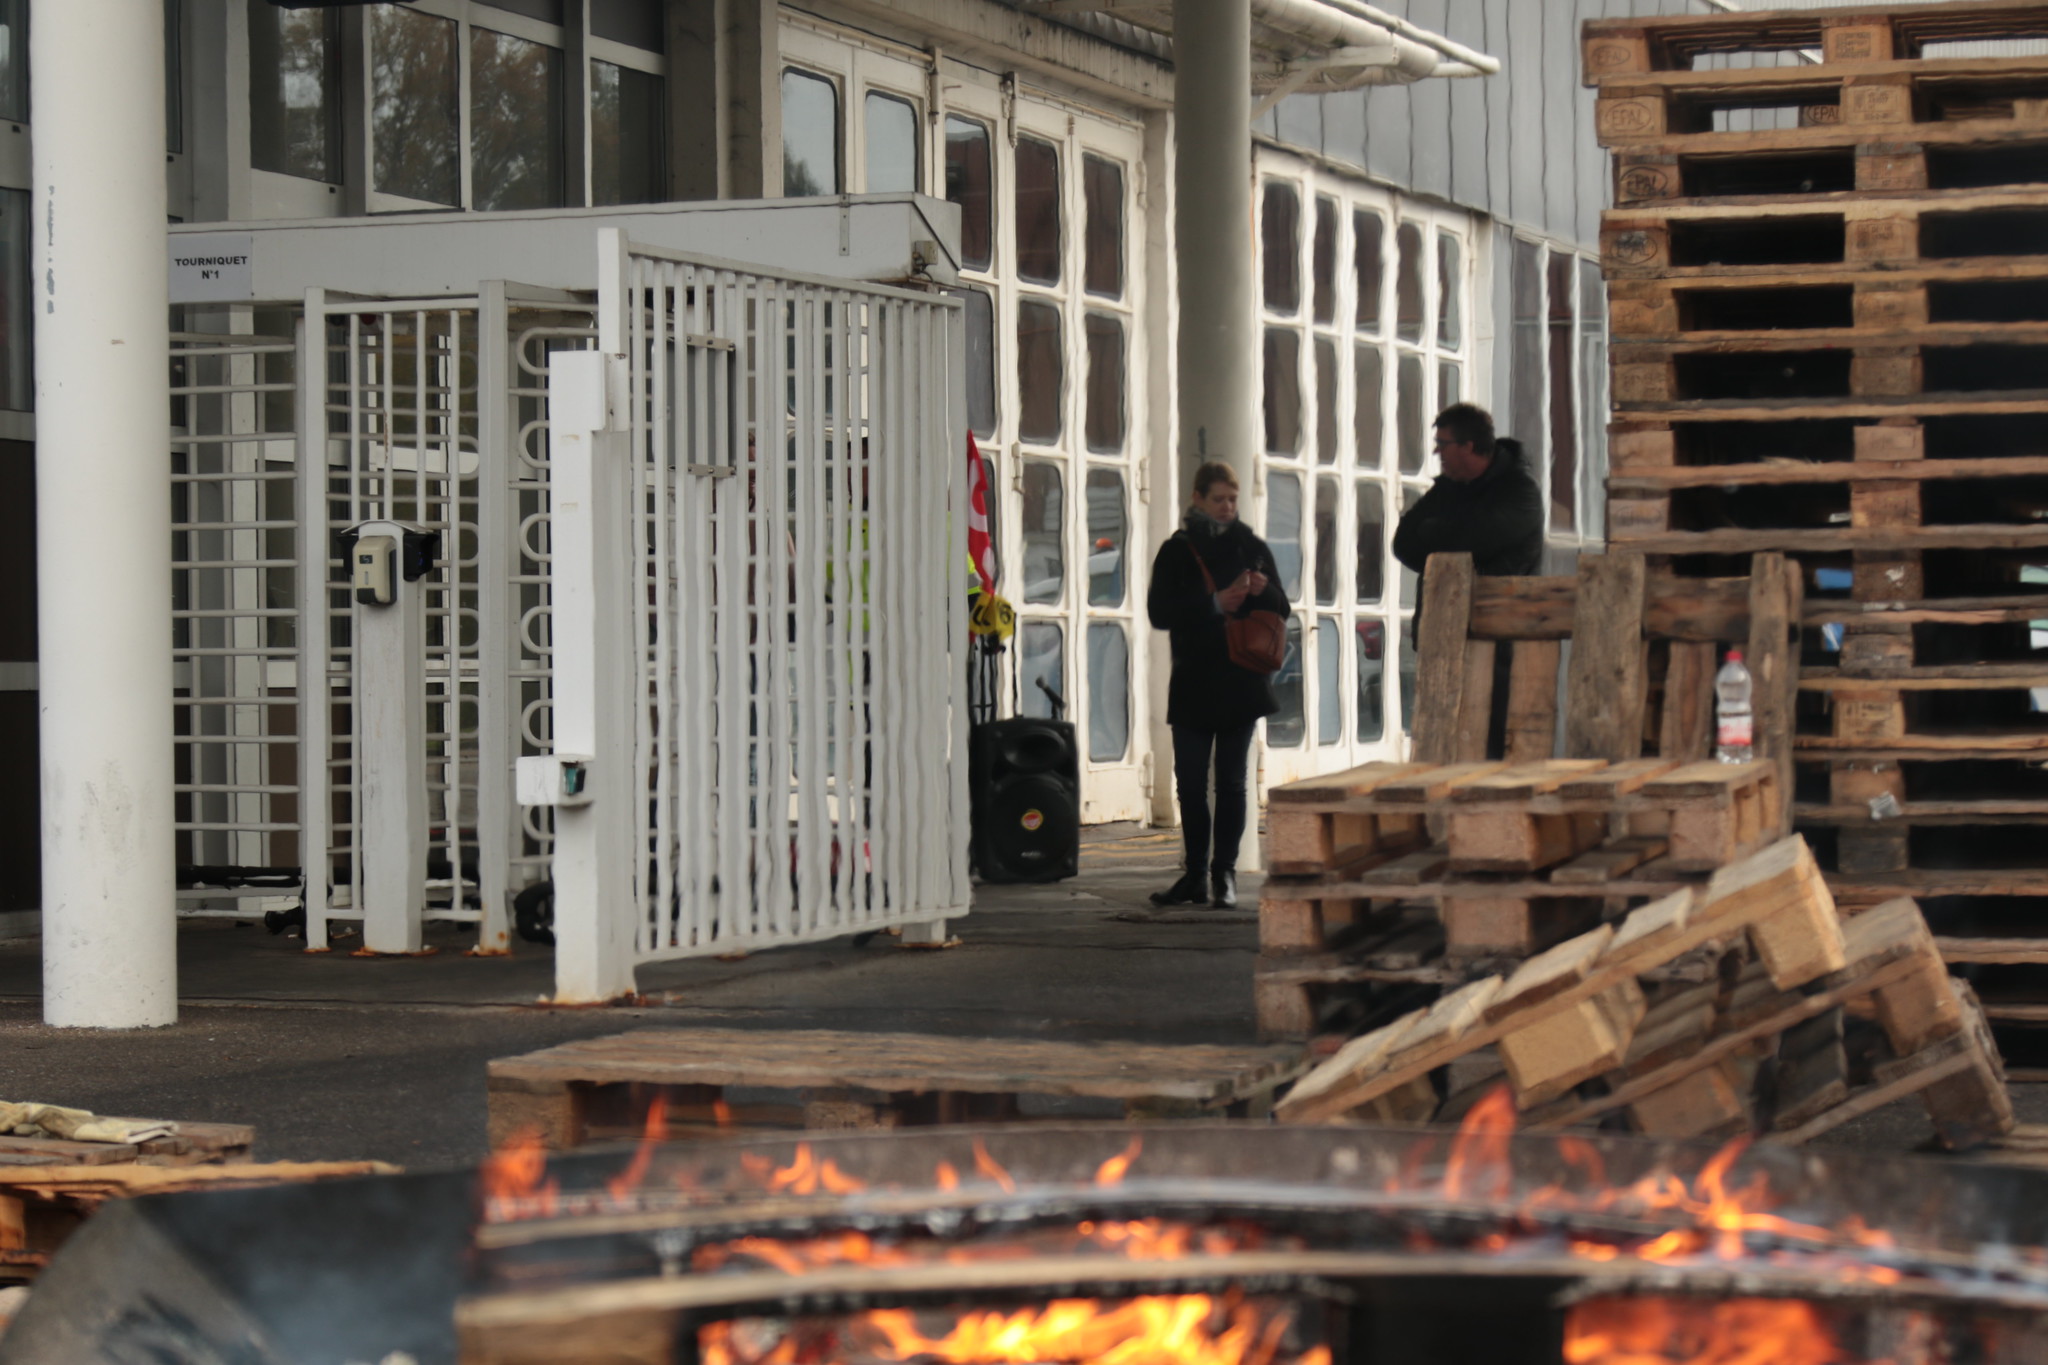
379,560
376,570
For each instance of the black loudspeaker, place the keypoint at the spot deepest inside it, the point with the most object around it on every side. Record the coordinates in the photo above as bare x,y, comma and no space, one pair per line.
1025,781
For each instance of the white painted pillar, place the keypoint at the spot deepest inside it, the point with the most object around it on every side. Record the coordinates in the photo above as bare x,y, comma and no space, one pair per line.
592,537
1218,341
102,339
391,742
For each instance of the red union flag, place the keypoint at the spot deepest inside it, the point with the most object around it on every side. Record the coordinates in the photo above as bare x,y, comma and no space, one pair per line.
977,515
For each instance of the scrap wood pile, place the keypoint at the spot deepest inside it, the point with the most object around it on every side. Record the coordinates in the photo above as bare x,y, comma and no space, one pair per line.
1805,1022
49,1184
1828,341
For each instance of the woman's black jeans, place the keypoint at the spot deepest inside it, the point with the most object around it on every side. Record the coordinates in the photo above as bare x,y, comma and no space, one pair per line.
1191,752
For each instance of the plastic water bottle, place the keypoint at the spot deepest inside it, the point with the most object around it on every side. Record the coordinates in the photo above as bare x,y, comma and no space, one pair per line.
1733,723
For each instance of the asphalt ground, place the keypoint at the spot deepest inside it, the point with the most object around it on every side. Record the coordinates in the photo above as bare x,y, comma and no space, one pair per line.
334,1057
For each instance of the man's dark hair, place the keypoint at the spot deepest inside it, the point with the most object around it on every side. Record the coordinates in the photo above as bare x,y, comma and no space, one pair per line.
1468,422
1211,474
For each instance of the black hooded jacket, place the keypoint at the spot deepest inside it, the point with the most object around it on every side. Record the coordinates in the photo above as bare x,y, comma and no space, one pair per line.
1208,691
1497,519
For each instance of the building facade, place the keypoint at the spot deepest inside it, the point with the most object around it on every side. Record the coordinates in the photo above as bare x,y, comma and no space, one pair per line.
1415,245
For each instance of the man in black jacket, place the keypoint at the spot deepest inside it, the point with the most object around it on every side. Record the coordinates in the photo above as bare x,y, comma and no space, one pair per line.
1484,503
1213,568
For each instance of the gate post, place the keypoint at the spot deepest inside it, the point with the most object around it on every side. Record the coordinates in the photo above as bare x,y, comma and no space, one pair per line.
391,728
597,676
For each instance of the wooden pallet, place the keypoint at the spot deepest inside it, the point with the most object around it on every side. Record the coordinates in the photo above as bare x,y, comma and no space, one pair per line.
1862,37
1824,159
599,1088
188,1144
1931,303
1824,240
1581,1013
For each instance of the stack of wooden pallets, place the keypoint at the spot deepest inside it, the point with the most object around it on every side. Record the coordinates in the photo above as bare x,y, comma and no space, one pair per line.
1830,339
1808,1023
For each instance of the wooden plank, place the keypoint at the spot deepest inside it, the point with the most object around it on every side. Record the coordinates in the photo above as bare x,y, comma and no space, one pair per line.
1532,700
1520,781
1446,612
1522,608
1614,780
1435,782
1706,780
1604,706
1685,732
1475,702
1608,862
1776,603
1342,786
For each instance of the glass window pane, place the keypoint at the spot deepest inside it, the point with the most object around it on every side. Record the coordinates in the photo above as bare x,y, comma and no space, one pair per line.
1326,400
1041,372
14,60
415,105
1102,185
1323,260
1593,390
1288,727
1368,418
1368,244
1450,383
1408,299
294,90
1041,659
1283,391
1564,424
891,144
1327,548
628,136
1371,548
547,11
1105,336
1329,681
970,183
1283,529
1410,495
1525,354
17,317
1450,292
1280,246
810,135
1044,521
1108,537
1038,211
1372,679
636,23
981,360
515,122
174,76
1109,692
1410,418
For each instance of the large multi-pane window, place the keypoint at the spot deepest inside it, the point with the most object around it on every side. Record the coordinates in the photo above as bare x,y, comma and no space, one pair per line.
1557,361
469,103
1364,300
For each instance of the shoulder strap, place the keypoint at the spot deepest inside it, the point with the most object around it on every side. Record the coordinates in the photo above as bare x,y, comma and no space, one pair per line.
1211,582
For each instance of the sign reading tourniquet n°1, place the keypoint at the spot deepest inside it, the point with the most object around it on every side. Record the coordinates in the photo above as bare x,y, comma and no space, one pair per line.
212,267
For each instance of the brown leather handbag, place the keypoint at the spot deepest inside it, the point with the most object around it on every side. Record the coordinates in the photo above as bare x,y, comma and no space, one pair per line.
1257,639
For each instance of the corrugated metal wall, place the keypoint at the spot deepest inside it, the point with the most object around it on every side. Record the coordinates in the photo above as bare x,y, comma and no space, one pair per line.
1518,146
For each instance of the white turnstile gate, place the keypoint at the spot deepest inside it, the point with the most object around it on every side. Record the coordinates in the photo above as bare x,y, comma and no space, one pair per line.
759,617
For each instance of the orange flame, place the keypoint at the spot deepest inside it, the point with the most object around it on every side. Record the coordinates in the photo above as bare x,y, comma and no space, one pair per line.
1677,1331
1481,1151
986,1164
652,1135
948,1178
512,1179
721,1112
1181,1329
804,1174
1111,1172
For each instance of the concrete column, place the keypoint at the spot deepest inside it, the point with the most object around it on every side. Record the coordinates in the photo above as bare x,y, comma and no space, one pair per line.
391,746
1218,341
103,558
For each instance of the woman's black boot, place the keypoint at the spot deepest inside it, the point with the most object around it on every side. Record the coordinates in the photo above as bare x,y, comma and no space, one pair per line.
1186,891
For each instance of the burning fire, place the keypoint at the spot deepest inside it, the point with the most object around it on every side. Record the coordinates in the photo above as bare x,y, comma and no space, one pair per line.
1163,1329
1678,1331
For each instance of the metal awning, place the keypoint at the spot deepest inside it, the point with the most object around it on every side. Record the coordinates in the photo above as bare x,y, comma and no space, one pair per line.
1310,47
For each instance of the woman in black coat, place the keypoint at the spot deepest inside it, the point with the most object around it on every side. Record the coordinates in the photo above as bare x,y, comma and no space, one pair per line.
1212,704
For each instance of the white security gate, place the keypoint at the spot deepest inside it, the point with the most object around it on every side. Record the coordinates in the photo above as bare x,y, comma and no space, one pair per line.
760,529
